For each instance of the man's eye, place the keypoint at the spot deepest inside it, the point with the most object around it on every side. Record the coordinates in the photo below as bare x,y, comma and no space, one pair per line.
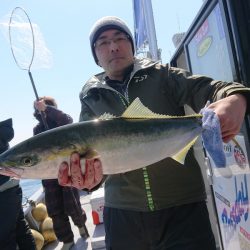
119,39
103,43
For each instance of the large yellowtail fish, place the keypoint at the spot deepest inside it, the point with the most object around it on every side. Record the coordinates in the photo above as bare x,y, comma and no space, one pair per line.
136,139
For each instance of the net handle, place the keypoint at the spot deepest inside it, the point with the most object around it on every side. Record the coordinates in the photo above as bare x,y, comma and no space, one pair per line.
32,57
37,98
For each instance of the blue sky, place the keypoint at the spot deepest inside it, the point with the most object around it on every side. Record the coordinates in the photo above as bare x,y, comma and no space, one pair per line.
65,27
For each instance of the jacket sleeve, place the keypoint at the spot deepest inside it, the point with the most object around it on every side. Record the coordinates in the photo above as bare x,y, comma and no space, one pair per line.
86,113
58,116
195,90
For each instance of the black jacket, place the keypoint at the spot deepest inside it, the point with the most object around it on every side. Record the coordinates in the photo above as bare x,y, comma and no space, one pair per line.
6,135
164,90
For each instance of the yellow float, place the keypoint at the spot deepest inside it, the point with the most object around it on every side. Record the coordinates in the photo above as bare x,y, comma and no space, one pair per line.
39,239
46,228
39,212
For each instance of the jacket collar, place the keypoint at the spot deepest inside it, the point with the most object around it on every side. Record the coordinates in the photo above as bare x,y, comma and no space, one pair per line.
98,80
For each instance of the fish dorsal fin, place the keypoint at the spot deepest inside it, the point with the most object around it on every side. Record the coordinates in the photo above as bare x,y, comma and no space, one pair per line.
137,110
106,116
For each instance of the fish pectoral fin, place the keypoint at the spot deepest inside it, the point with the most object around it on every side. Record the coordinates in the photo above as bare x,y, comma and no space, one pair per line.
181,155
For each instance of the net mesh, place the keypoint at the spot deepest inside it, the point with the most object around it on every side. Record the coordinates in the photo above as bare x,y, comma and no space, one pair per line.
27,43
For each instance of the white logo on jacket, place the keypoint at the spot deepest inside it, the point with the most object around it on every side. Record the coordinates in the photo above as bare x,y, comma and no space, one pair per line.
140,78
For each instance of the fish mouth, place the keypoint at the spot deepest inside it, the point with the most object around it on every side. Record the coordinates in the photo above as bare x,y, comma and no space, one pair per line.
11,172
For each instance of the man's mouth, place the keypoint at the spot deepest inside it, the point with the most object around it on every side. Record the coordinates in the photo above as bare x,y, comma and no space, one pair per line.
116,58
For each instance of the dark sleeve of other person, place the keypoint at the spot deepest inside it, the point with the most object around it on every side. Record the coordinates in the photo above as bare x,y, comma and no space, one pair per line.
6,134
58,116
55,118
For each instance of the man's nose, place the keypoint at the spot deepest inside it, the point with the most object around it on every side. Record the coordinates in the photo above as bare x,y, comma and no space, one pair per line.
113,45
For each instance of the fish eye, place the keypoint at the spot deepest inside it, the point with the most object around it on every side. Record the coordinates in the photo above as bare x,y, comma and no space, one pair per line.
26,161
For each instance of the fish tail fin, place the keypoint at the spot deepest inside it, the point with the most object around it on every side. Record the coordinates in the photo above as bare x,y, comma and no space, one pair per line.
181,155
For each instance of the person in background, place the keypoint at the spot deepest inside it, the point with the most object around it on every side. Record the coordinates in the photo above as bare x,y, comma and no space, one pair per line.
161,206
14,230
61,202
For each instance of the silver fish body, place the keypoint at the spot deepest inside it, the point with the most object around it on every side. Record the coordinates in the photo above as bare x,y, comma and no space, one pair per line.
122,144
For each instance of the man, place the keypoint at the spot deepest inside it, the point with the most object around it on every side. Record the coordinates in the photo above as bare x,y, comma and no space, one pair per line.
175,216
14,230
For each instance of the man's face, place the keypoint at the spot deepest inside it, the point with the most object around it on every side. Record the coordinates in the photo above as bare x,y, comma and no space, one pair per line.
114,52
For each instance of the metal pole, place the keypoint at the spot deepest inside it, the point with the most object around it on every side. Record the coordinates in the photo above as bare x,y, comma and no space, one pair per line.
37,98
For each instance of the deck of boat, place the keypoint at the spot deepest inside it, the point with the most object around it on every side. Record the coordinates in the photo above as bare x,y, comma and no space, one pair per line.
96,232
